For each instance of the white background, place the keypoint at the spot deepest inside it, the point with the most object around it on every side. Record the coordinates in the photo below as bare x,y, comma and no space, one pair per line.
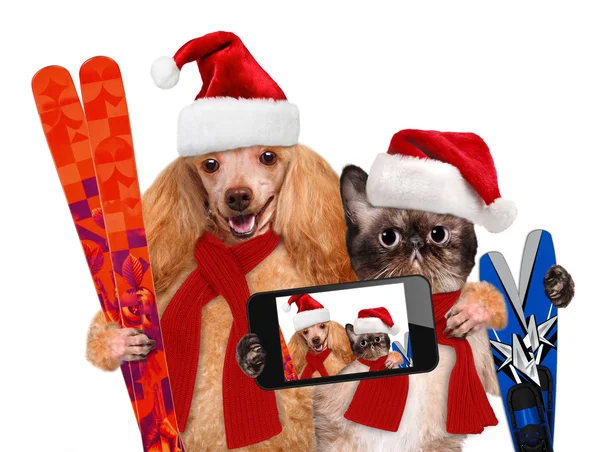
523,75
343,306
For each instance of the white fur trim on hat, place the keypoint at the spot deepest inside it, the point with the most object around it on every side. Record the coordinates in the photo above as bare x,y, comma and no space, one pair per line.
305,319
222,123
370,325
165,72
407,182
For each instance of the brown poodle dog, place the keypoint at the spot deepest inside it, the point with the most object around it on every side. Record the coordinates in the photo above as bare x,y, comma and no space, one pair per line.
317,338
236,195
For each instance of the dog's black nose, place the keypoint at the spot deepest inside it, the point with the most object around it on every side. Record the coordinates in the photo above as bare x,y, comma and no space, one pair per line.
316,340
416,242
238,198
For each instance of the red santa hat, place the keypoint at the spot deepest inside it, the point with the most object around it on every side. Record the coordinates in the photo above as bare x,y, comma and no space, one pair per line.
310,311
375,320
443,172
239,104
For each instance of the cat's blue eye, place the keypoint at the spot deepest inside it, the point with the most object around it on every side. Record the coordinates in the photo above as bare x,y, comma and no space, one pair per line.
377,339
363,343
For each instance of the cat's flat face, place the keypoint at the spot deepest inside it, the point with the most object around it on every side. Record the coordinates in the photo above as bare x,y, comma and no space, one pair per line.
368,346
387,242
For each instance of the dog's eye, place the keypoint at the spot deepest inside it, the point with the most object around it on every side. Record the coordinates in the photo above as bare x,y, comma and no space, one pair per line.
377,339
210,165
305,331
363,343
389,238
268,158
322,326
440,235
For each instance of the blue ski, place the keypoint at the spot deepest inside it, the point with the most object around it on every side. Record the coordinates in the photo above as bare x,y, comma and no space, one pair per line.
525,351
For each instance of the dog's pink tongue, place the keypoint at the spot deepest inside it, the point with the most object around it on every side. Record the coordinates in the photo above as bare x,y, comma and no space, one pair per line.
242,223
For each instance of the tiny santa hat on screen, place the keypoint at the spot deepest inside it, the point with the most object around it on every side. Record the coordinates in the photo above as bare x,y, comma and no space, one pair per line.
310,311
239,104
443,172
375,320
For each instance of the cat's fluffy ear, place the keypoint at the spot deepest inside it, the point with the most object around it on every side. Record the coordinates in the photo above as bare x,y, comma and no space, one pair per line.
353,187
350,331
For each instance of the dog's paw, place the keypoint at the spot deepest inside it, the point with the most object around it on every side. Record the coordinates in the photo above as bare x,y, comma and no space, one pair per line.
394,360
480,306
559,286
250,355
129,344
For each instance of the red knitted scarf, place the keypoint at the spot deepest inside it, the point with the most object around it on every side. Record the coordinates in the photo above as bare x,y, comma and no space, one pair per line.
250,413
379,403
374,364
315,363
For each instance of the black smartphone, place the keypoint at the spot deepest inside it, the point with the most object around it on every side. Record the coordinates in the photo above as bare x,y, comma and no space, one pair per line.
311,335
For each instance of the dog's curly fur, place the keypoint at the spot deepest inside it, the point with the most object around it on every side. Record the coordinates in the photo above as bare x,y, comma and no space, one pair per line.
310,220
337,341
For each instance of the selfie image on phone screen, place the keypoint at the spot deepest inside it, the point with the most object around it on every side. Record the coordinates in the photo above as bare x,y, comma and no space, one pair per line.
372,319
311,335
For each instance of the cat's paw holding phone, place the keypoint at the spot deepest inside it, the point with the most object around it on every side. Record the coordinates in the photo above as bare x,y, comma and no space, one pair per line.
559,286
480,306
250,355
394,360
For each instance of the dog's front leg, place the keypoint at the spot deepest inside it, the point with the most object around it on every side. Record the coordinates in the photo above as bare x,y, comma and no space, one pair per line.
480,306
250,355
109,345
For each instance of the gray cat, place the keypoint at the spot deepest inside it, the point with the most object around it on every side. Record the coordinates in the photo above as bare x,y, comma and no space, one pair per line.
369,346
386,242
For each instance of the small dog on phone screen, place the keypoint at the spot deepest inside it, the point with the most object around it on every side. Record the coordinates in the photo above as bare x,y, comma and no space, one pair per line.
319,347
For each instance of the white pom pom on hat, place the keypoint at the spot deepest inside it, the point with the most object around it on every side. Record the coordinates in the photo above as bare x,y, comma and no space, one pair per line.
165,72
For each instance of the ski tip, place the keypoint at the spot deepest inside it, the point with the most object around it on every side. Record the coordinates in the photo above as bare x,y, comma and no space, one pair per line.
98,66
58,74
537,233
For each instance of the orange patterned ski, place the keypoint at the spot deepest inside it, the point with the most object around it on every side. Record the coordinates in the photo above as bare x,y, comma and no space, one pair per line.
94,158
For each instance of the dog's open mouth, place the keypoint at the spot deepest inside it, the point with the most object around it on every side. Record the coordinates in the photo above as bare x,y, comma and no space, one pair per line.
244,226
319,348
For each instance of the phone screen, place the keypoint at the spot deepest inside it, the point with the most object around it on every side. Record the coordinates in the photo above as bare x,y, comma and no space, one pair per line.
371,321
342,332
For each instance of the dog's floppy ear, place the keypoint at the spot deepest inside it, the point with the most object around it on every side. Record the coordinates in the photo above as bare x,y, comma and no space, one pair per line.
298,349
339,343
310,219
174,216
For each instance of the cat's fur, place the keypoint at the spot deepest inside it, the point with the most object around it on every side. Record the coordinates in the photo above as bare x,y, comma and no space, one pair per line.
369,346
372,350
447,267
